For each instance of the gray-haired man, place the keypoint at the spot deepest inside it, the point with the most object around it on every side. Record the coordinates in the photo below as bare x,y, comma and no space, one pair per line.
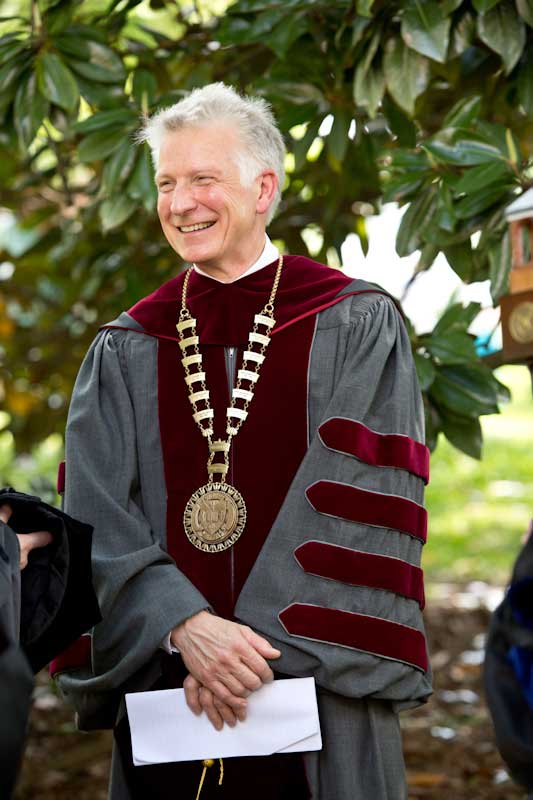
247,442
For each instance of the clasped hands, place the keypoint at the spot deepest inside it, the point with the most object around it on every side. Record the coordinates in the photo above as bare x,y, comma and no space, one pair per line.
27,541
226,662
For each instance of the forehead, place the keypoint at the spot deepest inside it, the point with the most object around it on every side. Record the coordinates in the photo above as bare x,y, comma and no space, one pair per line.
199,147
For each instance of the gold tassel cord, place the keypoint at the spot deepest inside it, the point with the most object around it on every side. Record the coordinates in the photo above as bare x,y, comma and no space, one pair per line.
209,762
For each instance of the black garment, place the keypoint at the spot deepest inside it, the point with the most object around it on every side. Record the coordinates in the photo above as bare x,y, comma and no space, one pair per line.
511,715
58,603
277,777
47,605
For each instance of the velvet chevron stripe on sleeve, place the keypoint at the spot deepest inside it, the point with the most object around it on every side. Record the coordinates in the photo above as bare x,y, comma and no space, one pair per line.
358,568
373,635
369,508
378,449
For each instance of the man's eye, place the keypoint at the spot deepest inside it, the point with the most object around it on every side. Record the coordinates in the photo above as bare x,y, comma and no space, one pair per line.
204,178
163,185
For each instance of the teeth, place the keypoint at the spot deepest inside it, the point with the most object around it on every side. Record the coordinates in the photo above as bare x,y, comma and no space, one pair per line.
199,227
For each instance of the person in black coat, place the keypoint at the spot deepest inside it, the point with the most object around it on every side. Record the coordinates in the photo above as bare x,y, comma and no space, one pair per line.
46,601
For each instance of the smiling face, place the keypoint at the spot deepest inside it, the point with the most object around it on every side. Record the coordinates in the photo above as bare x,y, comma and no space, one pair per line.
208,217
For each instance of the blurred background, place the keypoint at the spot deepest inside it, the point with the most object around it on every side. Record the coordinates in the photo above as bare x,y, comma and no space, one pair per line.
409,128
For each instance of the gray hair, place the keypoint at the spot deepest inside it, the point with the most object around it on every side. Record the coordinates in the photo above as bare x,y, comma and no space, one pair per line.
251,117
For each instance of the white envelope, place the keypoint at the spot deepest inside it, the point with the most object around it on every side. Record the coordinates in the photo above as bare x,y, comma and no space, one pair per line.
282,717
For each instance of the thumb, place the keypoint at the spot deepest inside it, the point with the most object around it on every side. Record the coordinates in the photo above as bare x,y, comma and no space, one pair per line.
5,512
263,647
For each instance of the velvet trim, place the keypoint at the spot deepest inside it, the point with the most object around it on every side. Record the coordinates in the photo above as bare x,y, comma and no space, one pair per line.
264,456
304,286
352,438
77,654
369,508
61,477
373,635
358,568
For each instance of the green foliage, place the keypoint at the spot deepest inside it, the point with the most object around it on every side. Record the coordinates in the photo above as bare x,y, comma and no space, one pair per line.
436,98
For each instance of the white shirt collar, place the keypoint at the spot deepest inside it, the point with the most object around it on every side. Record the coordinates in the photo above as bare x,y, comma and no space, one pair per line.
270,253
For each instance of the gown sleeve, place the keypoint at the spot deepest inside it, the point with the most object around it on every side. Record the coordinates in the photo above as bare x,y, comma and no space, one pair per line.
338,585
141,592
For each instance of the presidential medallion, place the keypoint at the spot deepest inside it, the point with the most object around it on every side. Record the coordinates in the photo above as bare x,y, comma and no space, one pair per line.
214,517
521,323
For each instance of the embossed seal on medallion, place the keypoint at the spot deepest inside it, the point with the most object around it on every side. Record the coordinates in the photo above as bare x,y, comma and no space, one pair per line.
521,323
214,517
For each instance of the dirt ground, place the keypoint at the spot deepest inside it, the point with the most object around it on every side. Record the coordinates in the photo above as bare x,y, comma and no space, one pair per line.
448,743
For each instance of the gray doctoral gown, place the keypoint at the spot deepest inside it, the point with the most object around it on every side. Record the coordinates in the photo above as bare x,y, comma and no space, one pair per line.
337,589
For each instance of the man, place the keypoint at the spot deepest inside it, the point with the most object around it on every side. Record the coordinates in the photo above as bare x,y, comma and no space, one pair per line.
247,443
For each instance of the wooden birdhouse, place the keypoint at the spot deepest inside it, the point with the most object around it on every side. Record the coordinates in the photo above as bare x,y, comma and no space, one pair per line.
517,307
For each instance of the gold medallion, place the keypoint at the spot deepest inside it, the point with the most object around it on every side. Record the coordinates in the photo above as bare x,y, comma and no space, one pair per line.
214,517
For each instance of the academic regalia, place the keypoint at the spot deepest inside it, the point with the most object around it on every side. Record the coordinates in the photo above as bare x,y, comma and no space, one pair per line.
44,607
331,464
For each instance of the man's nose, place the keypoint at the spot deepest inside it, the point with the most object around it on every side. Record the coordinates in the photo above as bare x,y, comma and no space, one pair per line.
183,201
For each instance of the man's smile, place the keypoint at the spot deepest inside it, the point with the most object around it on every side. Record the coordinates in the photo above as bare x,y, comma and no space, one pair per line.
199,226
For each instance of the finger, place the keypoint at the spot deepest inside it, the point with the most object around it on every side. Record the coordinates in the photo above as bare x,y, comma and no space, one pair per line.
37,539
191,688
225,712
248,678
258,665
206,701
237,704
260,644
5,512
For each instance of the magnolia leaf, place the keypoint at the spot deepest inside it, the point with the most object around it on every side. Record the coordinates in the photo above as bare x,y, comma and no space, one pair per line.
466,390
463,113
56,82
414,221
117,118
29,110
406,73
500,267
525,83
400,124
504,32
451,347
100,144
425,371
102,65
338,137
426,29
459,257
144,89
118,167
474,204
457,317
364,7
141,185
525,9
115,211
463,153
479,178
368,88
465,434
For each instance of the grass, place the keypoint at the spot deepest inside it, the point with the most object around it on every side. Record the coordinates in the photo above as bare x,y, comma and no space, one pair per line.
479,511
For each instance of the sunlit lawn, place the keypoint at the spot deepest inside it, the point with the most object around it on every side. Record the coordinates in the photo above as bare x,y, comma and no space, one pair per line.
480,510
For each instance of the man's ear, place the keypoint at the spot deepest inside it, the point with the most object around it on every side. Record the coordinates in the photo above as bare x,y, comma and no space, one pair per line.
268,183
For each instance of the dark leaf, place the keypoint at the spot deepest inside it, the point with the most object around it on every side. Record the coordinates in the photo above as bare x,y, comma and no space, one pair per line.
480,177
426,29
463,152
525,83
451,347
465,390
103,64
141,185
115,211
414,220
504,32
406,73
474,204
460,259
118,167
485,5
100,144
463,113
368,88
500,267
465,434
425,371
525,9
144,89
56,81
29,110
338,137
118,118
457,317
400,124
